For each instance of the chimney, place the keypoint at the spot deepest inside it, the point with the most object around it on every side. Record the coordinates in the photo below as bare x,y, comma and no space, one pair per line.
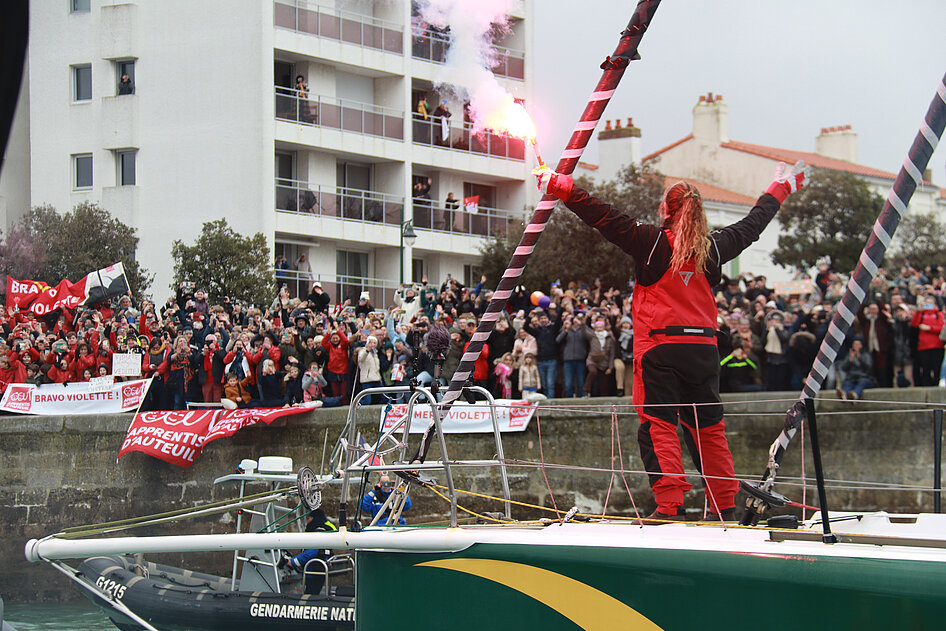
838,142
618,147
711,119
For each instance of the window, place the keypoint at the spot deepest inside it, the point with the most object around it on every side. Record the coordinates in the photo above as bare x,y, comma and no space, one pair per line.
417,270
487,193
80,6
126,77
471,275
82,166
82,82
125,161
350,268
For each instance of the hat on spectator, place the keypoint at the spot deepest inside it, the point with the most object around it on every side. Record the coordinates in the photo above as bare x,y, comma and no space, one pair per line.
317,284
771,303
364,296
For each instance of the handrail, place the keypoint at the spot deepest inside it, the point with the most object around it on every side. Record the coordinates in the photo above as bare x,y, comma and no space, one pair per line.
336,113
432,131
297,196
344,26
432,46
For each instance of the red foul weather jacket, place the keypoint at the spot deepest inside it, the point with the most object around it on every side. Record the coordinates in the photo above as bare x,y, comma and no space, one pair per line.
667,308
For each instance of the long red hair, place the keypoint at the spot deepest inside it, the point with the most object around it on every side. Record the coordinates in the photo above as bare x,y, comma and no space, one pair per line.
683,205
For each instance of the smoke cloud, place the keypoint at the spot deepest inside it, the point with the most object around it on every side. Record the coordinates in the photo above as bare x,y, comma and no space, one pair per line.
467,74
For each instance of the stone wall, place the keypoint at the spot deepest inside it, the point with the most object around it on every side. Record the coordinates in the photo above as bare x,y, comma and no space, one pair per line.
61,471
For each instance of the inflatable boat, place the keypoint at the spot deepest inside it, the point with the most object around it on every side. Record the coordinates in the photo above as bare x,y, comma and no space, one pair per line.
174,598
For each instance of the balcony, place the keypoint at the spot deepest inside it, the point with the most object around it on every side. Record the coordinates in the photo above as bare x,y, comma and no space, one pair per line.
486,222
294,196
433,132
340,287
352,116
432,46
342,26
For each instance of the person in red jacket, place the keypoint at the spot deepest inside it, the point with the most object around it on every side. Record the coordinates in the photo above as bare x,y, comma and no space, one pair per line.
676,360
929,348
336,370
481,366
12,370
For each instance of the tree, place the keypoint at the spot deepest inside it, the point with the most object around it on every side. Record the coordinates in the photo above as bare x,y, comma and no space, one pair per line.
224,263
21,255
572,250
71,245
921,239
833,215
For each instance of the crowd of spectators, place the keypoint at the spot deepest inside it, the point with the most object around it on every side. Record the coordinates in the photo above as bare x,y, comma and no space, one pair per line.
313,350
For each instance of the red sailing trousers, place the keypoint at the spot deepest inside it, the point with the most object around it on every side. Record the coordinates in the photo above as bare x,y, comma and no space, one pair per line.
668,380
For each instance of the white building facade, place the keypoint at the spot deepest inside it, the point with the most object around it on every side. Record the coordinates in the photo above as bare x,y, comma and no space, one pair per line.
215,128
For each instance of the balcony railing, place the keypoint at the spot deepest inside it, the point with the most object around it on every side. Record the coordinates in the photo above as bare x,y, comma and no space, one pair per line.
352,28
485,222
322,111
342,203
339,287
433,132
432,46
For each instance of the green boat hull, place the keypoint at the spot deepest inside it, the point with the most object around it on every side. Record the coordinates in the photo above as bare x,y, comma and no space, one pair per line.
511,586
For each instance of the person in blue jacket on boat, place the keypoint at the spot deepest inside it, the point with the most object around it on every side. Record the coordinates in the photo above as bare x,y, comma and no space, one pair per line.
374,500
318,522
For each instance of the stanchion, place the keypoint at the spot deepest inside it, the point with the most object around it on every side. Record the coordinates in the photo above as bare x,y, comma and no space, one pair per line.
819,472
937,459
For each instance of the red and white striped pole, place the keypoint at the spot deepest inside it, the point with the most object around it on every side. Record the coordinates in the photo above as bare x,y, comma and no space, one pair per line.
613,67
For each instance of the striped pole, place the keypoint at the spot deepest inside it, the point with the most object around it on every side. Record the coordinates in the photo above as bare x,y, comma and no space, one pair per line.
613,67
910,175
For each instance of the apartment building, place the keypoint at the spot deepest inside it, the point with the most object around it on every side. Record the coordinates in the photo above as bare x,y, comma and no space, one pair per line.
174,113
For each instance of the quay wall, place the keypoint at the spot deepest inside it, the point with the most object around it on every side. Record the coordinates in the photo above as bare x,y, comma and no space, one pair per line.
57,472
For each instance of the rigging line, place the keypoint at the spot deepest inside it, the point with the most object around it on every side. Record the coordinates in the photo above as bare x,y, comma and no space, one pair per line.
617,424
538,425
839,484
611,479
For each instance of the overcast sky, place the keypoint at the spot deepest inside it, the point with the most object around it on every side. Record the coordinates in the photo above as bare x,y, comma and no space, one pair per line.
786,69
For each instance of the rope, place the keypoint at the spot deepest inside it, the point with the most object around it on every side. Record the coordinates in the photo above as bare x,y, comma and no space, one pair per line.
223,506
538,426
278,519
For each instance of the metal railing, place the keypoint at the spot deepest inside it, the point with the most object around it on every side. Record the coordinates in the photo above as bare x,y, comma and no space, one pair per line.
343,203
323,111
343,26
432,46
485,222
295,196
339,287
432,131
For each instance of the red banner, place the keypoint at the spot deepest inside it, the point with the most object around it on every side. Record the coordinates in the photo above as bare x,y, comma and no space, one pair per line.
40,298
179,437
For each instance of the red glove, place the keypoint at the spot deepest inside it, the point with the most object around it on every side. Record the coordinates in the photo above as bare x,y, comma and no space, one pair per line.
787,183
557,184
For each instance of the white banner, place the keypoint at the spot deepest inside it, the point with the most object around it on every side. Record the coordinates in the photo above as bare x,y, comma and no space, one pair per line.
76,398
512,416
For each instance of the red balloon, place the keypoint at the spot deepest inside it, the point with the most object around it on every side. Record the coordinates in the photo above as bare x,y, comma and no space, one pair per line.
535,297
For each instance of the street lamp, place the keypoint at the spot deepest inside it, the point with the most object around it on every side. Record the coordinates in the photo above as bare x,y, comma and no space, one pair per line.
408,236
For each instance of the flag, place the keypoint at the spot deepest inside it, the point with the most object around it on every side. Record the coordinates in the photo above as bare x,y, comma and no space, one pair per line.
39,298
472,203
179,437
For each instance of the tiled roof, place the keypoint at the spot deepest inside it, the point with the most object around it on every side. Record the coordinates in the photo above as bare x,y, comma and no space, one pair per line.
814,159
713,193
789,156
667,148
588,166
